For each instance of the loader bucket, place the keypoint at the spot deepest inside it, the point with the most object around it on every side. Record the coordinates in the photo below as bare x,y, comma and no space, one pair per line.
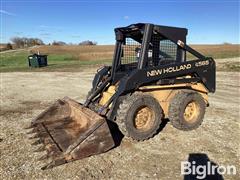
69,131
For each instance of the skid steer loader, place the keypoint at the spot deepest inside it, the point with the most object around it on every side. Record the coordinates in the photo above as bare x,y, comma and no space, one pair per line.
150,79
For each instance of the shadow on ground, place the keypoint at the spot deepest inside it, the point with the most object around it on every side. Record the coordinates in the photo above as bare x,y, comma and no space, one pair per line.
118,136
201,159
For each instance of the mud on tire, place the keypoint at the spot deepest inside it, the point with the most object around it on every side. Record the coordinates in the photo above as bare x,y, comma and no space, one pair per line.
186,110
139,116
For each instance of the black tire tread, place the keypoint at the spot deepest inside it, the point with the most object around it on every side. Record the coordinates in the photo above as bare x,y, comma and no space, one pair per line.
122,111
175,108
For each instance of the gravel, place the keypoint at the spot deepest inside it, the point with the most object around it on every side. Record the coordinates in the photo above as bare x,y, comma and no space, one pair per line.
25,95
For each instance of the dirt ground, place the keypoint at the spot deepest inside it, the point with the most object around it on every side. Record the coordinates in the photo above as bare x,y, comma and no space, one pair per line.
25,95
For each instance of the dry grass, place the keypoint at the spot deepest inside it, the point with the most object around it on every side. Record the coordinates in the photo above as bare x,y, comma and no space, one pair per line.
218,51
72,58
2,47
100,52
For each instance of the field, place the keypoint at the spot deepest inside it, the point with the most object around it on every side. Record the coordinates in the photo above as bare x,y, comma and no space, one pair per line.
60,58
26,94
73,58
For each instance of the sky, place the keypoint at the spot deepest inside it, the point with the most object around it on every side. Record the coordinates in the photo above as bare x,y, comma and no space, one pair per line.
73,21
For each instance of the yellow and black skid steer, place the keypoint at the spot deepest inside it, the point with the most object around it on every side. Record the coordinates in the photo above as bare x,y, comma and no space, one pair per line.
150,79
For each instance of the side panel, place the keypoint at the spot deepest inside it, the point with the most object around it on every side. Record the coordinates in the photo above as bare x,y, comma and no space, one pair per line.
164,97
164,94
204,69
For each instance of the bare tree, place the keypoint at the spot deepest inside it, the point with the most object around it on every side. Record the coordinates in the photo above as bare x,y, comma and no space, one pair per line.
87,43
227,43
58,43
18,42
26,42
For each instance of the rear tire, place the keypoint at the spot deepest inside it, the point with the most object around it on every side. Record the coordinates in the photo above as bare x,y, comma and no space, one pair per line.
139,116
187,110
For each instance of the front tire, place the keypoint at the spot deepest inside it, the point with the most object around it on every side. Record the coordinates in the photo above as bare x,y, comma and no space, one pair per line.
139,116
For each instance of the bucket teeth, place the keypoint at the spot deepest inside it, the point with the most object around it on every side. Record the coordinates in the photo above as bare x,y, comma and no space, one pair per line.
40,149
30,126
49,166
45,156
34,137
54,163
37,142
32,131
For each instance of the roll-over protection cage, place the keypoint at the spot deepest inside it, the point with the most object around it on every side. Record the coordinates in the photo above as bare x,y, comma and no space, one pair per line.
144,45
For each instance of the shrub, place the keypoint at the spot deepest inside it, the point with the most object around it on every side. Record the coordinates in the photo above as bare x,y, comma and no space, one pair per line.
21,42
58,43
87,43
9,46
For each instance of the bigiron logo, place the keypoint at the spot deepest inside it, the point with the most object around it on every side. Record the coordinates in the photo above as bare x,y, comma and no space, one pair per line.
201,171
158,72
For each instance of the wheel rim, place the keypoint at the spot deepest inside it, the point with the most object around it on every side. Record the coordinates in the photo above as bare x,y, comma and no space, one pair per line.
191,112
144,118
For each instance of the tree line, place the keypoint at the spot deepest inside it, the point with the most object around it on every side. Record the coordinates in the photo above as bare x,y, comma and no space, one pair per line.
21,42
83,43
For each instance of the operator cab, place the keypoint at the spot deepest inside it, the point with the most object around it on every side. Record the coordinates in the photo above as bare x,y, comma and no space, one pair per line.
159,50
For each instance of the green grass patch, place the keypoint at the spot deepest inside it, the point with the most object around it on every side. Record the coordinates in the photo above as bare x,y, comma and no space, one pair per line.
17,61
